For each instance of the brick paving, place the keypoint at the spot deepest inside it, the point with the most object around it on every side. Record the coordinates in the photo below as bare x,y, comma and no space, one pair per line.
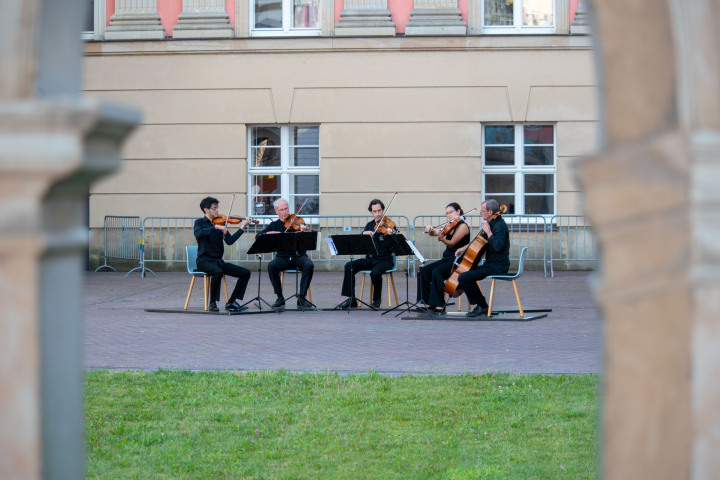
121,334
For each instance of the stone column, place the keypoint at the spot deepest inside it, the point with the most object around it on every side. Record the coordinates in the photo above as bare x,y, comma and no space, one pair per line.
203,19
435,17
135,20
581,23
52,145
364,18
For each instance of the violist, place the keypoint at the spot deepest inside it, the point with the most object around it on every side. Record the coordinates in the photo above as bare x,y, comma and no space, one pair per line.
431,277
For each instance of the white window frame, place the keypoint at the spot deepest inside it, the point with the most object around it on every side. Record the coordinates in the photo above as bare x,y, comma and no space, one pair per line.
476,18
287,29
285,171
519,169
99,13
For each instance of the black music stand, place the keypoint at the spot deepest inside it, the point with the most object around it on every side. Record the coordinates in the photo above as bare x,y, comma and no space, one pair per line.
354,245
398,245
263,244
296,242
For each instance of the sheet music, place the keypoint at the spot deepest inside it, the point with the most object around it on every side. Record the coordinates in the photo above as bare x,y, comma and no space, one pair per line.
416,252
331,246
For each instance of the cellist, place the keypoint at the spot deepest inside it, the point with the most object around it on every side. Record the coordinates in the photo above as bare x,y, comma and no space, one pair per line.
497,256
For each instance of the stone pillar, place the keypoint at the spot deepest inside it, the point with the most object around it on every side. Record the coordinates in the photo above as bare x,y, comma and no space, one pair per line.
435,17
135,20
581,23
364,18
203,19
52,145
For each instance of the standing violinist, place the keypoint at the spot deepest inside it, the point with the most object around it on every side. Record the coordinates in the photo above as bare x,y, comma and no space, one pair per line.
210,237
288,260
377,264
497,256
431,277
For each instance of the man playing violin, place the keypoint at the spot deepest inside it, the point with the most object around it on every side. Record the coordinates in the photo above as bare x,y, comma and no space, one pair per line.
497,256
377,264
431,277
210,239
288,260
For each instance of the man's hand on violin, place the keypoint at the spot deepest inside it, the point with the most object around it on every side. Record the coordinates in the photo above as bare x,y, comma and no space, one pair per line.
245,223
222,228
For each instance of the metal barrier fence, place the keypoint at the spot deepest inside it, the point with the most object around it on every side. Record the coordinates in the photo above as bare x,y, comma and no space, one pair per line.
525,231
123,240
571,240
163,239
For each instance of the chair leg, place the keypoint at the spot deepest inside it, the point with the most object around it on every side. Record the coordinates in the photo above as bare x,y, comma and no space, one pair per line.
206,284
517,296
362,289
392,280
187,300
492,292
309,294
227,298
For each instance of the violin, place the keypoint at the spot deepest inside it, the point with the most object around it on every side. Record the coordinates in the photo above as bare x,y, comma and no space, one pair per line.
385,225
293,222
470,258
222,220
450,225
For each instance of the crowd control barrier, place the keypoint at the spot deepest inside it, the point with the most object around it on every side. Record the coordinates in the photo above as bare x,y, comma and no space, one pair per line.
124,240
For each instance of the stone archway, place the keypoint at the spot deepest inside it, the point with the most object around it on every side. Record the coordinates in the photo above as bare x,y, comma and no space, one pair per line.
654,198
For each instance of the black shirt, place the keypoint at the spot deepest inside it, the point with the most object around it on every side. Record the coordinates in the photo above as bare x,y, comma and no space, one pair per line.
210,239
378,240
498,247
279,226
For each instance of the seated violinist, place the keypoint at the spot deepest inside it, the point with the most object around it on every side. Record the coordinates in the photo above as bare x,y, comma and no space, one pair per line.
210,236
455,234
377,264
288,260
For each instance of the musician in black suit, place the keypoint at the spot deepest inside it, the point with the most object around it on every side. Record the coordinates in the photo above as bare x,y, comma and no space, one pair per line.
497,256
377,264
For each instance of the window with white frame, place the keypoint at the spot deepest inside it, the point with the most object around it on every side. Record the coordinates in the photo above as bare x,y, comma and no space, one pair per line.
519,167
518,16
94,21
285,17
284,161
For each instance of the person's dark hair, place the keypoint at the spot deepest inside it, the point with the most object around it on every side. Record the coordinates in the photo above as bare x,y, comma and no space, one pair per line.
375,201
492,205
208,202
456,207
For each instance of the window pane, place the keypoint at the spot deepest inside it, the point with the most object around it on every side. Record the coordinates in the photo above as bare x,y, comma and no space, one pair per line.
538,12
539,205
305,157
306,187
539,156
499,135
268,13
535,134
89,25
498,12
312,206
265,150
538,183
499,156
496,184
265,189
306,136
307,14
507,200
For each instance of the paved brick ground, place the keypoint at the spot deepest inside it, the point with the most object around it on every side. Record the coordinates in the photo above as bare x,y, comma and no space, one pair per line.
120,334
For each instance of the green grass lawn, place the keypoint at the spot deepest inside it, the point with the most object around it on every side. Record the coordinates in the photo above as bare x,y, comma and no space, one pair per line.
280,425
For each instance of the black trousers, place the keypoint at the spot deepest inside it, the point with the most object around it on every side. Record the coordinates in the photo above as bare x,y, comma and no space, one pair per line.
280,264
431,282
216,269
467,281
377,266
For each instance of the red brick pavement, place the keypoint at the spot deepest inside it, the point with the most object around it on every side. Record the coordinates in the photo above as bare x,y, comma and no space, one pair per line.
120,334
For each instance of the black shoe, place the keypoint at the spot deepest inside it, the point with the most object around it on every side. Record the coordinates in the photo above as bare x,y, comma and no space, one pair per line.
349,303
303,303
213,307
280,302
477,311
376,304
420,310
234,307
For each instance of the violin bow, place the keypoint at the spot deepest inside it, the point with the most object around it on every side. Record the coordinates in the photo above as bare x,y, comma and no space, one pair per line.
298,213
227,219
384,213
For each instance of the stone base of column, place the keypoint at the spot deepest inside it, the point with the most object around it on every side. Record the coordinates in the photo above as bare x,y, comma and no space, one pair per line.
435,21
375,22
580,25
203,25
135,26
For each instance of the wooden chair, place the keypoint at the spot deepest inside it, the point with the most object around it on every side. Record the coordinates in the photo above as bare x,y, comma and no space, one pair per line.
191,253
508,277
388,279
296,272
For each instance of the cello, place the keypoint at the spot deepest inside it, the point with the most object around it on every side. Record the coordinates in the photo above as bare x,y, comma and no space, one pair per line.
470,258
